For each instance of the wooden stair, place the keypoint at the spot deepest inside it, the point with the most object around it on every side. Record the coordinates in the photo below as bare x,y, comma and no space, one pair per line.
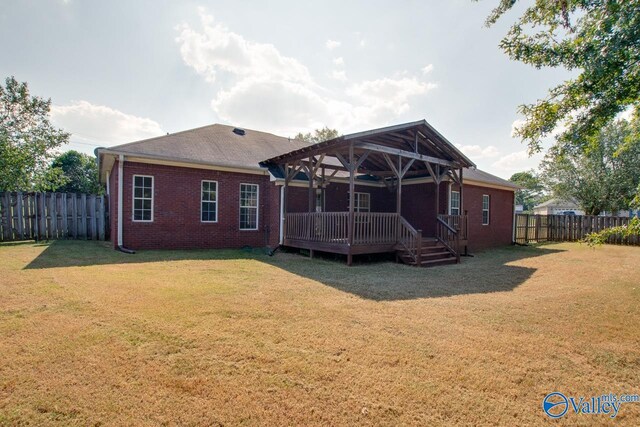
433,253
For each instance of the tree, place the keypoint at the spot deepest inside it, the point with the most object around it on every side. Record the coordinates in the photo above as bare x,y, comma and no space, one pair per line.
27,139
603,177
532,191
318,135
599,40
80,172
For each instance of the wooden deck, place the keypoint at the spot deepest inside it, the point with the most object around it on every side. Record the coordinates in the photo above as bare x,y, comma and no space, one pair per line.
373,232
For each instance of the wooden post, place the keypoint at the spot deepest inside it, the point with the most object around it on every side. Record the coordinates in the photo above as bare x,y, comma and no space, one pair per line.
101,225
21,215
83,212
74,215
65,219
461,194
399,188
92,211
43,216
418,248
352,189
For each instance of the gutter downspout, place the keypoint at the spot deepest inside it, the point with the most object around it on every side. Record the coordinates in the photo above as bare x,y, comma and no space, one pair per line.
513,221
120,187
281,231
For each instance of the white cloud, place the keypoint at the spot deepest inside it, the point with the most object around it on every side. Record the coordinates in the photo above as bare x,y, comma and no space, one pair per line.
515,125
517,162
216,48
339,75
93,125
427,69
476,152
267,90
332,44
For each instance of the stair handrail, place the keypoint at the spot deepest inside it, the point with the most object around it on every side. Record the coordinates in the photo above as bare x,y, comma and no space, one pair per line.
446,241
415,236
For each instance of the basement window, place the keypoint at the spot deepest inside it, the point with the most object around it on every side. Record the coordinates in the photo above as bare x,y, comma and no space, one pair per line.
485,209
248,206
142,198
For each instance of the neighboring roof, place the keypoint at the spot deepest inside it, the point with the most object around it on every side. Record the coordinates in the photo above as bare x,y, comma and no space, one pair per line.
558,204
214,144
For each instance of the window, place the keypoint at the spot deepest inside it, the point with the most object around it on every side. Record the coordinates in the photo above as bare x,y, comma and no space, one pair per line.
454,207
248,207
362,202
319,200
142,198
485,209
209,202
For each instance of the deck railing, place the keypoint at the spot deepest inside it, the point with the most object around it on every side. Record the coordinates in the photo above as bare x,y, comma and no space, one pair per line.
457,222
327,227
450,229
373,228
410,239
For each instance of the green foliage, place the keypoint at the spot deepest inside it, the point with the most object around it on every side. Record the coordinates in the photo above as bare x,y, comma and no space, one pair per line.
318,135
27,139
599,40
80,172
603,177
601,237
532,192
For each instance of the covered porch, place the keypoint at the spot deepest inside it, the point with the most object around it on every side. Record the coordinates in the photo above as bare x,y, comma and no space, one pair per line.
390,158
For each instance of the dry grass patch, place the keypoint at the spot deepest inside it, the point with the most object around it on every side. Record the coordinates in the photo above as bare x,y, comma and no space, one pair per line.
90,336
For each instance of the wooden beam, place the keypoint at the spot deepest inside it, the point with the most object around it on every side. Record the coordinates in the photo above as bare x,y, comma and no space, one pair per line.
404,153
408,165
391,165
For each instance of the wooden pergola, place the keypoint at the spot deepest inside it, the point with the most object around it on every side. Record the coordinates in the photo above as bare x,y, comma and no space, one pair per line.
391,155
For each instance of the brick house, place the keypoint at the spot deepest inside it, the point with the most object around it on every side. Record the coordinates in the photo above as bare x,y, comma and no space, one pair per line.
223,187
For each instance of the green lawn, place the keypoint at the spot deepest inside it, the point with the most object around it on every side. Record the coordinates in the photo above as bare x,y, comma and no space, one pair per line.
90,336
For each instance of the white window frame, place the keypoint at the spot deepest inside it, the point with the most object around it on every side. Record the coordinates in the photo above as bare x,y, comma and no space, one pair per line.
487,209
202,200
133,198
451,208
257,208
356,201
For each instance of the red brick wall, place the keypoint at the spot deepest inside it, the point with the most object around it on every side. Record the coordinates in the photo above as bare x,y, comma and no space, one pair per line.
176,222
499,232
176,218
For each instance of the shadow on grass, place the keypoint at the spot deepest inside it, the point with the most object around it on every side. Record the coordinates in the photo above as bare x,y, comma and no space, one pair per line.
489,271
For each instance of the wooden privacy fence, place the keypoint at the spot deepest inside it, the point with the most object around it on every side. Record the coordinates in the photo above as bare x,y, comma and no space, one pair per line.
567,228
43,216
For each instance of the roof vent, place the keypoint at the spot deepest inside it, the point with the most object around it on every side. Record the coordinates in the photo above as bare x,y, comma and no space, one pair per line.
238,131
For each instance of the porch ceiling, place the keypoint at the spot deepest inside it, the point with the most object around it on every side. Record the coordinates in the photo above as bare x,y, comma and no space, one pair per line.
414,148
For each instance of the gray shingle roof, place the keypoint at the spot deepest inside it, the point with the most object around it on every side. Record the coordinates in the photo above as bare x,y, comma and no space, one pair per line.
218,145
214,144
486,177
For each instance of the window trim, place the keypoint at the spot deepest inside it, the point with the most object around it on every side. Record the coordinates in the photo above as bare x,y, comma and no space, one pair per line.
487,209
357,195
133,197
257,208
202,201
451,208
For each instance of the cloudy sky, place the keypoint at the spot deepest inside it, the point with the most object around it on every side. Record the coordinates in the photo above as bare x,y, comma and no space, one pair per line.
119,71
